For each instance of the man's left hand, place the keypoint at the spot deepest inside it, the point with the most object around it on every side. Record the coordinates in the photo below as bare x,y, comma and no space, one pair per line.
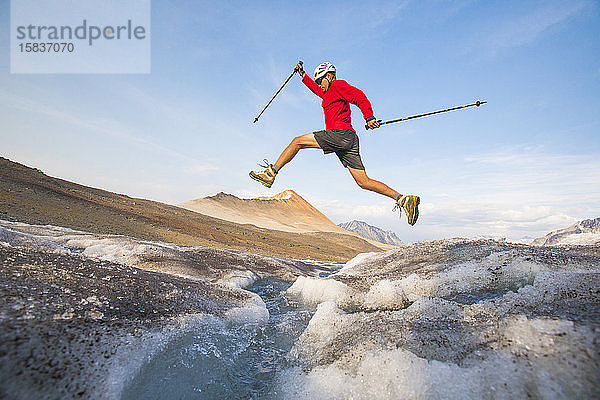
300,69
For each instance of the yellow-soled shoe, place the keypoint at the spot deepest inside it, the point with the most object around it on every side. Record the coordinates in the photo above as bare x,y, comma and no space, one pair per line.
266,177
410,205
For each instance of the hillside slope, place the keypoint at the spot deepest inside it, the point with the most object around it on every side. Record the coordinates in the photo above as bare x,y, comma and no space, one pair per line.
28,195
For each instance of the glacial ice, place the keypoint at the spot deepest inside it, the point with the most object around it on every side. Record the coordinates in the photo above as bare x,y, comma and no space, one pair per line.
498,271
208,311
239,273
231,268
454,319
448,319
578,239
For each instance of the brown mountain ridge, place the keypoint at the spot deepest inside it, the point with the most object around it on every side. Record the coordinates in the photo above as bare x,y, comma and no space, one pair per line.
30,196
286,211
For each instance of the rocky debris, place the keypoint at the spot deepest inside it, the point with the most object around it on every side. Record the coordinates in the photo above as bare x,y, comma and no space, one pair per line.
582,233
64,317
372,232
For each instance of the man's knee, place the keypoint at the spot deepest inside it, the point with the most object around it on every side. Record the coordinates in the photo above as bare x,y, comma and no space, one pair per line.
304,141
364,182
297,141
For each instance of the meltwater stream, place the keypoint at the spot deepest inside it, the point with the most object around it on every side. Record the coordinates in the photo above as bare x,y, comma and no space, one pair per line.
225,361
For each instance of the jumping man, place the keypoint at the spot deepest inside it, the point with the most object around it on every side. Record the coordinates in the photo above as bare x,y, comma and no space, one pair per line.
338,137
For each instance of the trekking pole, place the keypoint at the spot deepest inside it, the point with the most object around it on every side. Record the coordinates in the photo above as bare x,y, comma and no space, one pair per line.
477,104
272,98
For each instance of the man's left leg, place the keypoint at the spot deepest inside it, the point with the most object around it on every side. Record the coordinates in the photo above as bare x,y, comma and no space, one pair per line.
361,178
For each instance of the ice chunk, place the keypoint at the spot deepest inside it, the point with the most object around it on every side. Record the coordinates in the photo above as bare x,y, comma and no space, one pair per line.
498,272
399,374
521,358
359,259
386,295
253,312
313,291
15,238
239,279
536,338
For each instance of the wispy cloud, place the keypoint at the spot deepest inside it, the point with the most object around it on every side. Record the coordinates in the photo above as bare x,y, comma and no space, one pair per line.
529,27
200,169
539,174
513,192
111,128
517,190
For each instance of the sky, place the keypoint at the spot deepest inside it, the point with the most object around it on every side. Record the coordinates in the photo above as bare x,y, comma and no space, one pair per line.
524,164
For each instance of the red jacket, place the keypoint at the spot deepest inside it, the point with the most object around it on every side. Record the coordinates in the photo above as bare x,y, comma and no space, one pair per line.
336,102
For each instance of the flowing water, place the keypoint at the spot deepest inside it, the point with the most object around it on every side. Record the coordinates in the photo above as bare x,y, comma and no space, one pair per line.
225,361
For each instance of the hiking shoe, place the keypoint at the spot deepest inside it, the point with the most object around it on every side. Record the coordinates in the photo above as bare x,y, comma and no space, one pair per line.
410,204
266,177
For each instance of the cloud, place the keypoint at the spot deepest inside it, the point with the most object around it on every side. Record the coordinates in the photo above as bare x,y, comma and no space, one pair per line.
520,190
532,173
342,211
497,218
200,169
529,27
111,128
511,192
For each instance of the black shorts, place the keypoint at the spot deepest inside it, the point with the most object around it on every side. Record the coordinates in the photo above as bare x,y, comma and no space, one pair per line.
344,143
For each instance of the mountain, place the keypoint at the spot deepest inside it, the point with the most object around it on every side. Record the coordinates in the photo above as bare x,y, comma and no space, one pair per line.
372,232
586,232
28,195
286,211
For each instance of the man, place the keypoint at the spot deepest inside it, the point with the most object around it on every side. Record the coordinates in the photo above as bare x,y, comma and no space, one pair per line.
338,137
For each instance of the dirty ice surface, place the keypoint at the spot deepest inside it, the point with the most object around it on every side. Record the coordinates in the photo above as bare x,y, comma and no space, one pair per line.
449,319
452,319
99,316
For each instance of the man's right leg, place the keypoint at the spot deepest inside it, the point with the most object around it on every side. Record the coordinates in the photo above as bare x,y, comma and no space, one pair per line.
307,141
267,177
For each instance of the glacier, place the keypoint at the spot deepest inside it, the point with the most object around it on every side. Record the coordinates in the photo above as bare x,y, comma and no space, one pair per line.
112,317
458,319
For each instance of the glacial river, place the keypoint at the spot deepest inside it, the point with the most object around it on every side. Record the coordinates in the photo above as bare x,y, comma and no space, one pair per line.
226,362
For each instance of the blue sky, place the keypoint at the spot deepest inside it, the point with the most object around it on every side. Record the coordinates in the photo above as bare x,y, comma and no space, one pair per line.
526,163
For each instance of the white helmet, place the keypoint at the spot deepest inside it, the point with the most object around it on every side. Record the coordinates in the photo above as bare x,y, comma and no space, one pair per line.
323,69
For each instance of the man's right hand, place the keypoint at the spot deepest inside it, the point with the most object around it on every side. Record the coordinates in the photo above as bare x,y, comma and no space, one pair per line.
373,124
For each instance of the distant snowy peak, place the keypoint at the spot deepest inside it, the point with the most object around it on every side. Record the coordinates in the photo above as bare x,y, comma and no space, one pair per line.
586,232
372,232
